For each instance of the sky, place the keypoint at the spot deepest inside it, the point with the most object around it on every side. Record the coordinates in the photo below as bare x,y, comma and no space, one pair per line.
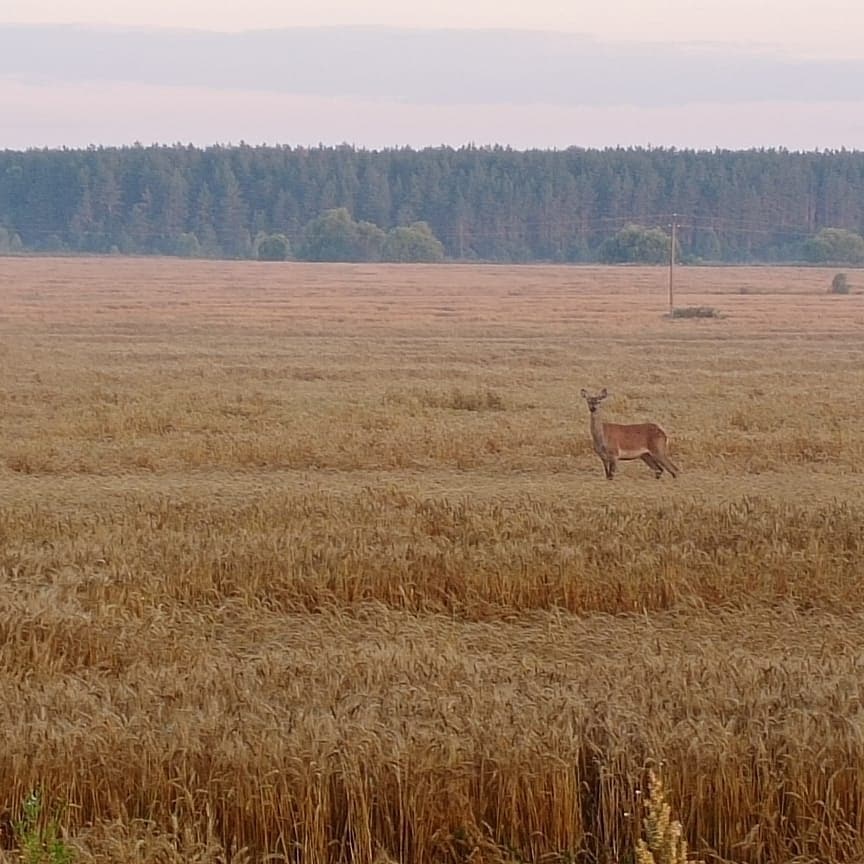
552,73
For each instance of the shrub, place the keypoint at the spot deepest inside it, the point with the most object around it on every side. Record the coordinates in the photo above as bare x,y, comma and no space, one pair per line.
835,246
635,244
840,284
187,246
336,236
416,243
40,844
10,242
272,247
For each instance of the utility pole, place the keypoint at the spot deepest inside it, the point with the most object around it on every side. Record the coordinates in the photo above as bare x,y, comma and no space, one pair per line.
672,246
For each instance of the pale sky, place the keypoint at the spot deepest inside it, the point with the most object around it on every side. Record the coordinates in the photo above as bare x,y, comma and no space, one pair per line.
677,73
805,26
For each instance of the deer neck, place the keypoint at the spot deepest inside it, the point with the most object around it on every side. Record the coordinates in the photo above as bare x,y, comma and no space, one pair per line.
598,436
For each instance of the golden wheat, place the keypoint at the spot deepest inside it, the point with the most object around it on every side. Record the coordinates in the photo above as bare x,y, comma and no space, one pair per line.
317,561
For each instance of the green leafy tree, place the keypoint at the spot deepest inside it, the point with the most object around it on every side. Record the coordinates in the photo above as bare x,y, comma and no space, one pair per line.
335,236
369,242
486,203
82,225
330,237
232,214
272,247
415,243
204,221
635,244
138,226
187,246
10,242
176,206
835,246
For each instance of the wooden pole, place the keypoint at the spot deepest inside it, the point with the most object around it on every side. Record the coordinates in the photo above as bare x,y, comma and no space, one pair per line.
672,246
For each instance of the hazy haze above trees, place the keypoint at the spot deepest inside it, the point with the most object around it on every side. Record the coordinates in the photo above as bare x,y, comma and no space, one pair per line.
64,85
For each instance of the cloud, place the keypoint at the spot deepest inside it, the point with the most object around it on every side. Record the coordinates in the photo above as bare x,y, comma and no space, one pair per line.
425,67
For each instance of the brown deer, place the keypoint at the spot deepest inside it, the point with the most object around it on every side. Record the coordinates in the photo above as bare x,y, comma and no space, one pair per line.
616,442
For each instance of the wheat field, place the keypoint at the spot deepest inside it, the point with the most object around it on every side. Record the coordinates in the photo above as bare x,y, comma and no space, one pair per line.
315,563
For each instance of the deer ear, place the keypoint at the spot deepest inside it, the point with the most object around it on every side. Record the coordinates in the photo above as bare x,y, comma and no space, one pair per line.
604,393
584,393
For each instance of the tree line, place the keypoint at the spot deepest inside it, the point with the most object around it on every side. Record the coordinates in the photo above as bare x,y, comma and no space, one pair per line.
472,203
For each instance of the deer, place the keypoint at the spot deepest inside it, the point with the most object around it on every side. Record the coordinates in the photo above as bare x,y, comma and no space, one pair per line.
618,442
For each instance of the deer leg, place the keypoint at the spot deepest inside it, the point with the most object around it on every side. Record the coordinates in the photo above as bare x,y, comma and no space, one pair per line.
610,469
653,464
667,464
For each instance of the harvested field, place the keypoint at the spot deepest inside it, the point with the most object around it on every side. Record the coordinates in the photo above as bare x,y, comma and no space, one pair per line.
317,562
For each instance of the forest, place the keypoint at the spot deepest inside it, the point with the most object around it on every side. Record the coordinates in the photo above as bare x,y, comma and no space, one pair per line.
472,203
